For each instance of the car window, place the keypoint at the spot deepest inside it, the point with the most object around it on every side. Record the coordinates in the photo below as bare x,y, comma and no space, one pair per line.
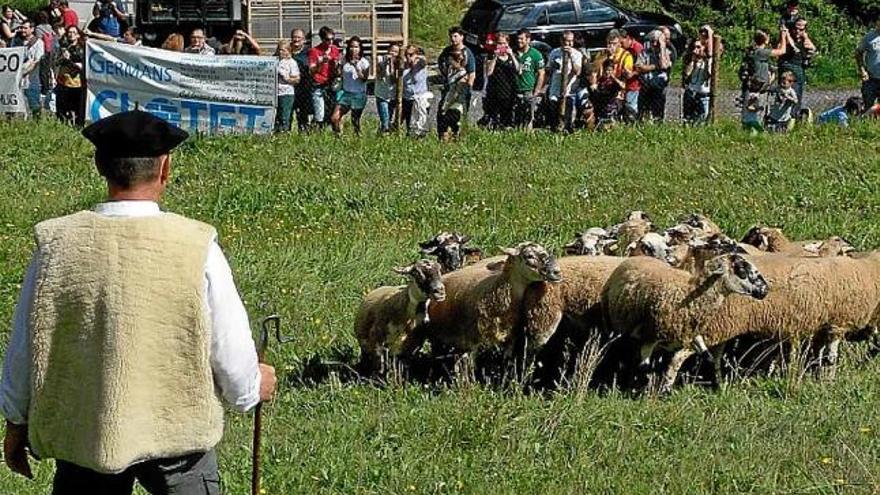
561,12
513,17
595,11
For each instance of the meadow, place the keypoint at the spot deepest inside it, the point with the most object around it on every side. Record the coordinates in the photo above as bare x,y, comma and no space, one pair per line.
310,224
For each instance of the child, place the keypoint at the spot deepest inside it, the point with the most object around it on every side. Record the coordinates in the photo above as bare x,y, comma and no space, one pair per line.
841,114
784,102
454,98
416,97
288,77
695,108
353,95
386,87
606,94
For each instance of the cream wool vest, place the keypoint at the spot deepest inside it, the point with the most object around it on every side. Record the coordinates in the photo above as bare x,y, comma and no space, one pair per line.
121,342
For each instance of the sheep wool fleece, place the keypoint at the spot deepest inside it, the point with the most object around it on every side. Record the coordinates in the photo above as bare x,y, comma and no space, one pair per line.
121,341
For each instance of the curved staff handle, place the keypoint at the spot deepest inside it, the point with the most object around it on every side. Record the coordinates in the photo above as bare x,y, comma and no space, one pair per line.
268,322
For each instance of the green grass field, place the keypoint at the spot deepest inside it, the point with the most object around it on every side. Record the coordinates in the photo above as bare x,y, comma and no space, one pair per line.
311,224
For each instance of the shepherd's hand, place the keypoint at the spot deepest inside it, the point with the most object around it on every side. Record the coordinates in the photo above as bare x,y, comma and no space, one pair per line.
14,450
267,382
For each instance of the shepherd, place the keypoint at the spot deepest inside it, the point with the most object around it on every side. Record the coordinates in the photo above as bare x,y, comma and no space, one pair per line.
128,333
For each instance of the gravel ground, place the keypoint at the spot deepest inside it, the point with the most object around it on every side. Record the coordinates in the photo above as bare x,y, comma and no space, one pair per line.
817,100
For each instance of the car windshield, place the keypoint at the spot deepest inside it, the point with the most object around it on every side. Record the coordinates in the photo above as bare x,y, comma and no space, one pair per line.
480,17
513,17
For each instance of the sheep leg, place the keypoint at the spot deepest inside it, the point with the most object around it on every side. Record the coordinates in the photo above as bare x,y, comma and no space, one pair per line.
717,356
675,364
828,362
638,376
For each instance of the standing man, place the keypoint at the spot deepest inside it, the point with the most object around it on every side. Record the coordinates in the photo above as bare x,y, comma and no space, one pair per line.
323,68
653,65
30,76
529,81
456,44
633,82
128,332
109,15
564,63
302,96
799,51
868,62
198,45
68,15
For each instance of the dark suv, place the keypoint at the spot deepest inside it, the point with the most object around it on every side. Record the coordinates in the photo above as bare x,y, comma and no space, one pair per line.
591,20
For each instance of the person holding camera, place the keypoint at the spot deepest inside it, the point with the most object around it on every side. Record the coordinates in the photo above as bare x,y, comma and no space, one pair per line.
502,69
323,68
69,79
387,73
241,44
653,66
110,15
444,64
799,51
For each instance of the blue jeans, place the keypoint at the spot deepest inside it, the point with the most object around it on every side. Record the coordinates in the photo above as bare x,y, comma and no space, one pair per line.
631,109
32,95
318,104
385,109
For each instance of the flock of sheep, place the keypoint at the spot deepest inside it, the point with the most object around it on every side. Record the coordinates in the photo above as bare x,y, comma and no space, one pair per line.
687,290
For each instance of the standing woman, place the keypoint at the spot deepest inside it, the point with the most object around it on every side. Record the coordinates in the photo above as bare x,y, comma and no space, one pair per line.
9,22
502,68
386,86
355,70
288,77
69,90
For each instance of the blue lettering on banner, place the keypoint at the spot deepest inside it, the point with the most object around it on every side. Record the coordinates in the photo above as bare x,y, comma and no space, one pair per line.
186,113
99,65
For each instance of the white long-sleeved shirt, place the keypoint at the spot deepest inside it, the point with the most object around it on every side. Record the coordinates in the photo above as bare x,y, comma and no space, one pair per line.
233,354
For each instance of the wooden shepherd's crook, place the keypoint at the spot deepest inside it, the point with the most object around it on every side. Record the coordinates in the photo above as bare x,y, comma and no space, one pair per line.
563,88
269,321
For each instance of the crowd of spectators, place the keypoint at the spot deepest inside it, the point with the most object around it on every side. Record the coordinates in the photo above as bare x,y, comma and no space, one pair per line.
570,88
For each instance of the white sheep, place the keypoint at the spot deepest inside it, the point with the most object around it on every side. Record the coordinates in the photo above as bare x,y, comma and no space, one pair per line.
592,242
391,319
484,301
637,224
772,240
657,305
822,299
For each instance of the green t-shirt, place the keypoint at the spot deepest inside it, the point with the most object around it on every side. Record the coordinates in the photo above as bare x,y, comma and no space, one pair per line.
531,61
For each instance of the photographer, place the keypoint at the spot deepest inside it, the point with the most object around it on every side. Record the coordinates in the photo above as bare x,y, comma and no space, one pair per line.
9,23
241,44
502,68
110,16
653,65
69,90
799,51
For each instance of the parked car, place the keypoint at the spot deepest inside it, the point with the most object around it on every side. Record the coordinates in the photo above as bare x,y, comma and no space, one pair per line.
591,20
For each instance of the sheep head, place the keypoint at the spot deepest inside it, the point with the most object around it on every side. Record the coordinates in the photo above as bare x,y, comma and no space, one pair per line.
765,238
591,242
833,246
425,280
654,245
737,275
700,222
533,262
450,250
680,234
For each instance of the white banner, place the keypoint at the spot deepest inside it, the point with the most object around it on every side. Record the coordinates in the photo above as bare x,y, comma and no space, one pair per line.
210,94
11,95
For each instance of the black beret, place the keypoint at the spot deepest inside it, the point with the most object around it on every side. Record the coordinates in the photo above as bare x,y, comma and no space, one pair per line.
133,134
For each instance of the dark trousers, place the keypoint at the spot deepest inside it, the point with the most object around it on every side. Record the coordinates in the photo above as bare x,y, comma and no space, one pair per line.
194,474
448,120
524,110
652,103
871,91
302,106
284,113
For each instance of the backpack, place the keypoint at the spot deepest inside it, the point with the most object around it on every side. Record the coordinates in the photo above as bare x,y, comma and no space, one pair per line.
748,72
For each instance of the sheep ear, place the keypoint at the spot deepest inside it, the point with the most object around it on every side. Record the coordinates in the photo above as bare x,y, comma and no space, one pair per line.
405,270
428,244
463,239
429,250
509,251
